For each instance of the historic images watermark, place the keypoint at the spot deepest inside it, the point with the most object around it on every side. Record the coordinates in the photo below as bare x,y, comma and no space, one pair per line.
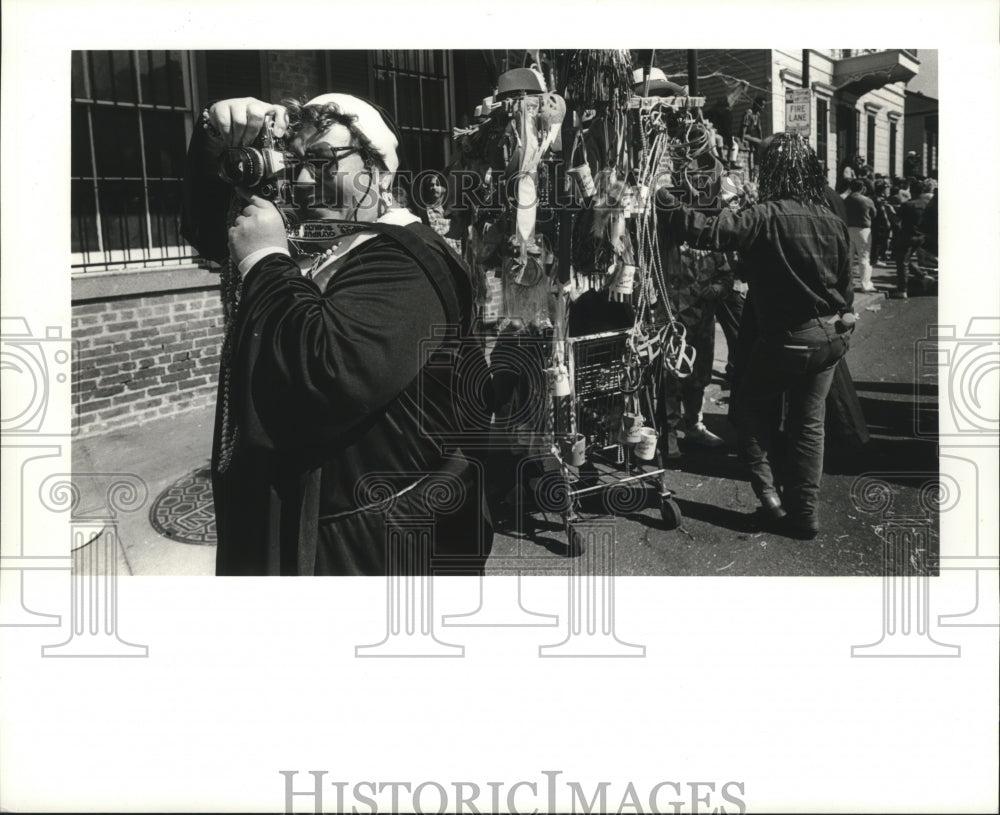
95,549
486,191
314,792
964,370
910,556
410,537
516,440
37,379
966,367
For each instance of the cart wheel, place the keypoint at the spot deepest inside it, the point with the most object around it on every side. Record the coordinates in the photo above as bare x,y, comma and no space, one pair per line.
574,541
670,512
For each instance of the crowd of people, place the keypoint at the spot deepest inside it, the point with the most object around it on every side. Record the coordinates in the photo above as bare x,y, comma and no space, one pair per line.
891,219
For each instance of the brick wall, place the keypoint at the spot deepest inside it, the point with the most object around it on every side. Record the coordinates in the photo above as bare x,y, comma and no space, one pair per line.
145,357
294,74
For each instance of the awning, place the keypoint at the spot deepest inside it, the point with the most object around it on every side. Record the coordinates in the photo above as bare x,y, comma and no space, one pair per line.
868,72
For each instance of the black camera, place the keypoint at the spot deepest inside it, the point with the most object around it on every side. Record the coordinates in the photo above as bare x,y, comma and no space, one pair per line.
259,166
266,168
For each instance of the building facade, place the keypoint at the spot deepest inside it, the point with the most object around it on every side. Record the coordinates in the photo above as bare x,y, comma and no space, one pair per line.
858,97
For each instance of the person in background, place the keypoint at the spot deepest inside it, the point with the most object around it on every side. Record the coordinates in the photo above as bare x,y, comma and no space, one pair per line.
881,223
912,165
433,193
835,202
401,199
931,224
752,134
898,195
913,236
703,279
846,175
721,117
860,211
855,170
729,309
796,253
867,177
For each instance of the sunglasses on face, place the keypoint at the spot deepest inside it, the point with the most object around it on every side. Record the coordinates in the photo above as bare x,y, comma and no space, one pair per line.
321,158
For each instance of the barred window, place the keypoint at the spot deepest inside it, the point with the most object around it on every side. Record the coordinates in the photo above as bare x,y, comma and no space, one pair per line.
131,121
415,87
870,143
822,129
892,150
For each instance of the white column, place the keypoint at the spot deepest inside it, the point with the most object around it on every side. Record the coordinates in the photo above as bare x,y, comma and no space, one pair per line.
906,541
94,582
591,605
409,542
23,551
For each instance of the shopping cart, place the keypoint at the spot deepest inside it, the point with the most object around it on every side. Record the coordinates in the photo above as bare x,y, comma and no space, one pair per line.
595,457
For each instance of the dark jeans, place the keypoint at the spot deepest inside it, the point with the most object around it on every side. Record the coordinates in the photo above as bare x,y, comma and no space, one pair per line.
880,245
907,259
729,312
799,363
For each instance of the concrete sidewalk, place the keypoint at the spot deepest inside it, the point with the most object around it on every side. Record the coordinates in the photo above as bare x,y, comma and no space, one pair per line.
174,453
160,453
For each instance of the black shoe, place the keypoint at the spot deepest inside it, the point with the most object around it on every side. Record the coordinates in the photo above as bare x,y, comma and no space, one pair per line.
769,516
770,507
804,529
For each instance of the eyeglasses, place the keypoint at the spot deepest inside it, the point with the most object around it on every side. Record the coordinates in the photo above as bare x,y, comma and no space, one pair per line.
322,156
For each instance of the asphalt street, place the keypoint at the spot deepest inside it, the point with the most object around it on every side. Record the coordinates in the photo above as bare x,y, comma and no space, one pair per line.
716,535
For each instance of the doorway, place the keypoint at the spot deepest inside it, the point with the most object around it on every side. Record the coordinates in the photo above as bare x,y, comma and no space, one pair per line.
847,135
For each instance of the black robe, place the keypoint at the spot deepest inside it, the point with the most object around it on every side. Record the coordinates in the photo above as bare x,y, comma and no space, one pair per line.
336,409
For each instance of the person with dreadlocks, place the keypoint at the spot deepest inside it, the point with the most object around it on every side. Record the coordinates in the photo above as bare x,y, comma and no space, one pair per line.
332,423
796,256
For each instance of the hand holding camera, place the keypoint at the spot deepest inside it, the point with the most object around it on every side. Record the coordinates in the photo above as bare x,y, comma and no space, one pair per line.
259,226
246,137
238,122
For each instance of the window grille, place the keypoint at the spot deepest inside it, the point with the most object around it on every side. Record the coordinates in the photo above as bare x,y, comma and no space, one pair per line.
131,122
415,87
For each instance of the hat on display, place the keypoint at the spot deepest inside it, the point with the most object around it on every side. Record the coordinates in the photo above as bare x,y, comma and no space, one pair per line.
659,85
518,81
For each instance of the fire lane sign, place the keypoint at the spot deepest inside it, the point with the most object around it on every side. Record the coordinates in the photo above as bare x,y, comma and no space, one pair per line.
798,110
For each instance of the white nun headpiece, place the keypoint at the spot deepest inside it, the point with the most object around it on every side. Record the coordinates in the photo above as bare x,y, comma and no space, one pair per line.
370,122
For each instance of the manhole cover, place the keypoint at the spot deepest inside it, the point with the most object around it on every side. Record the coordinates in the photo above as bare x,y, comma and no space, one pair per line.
185,512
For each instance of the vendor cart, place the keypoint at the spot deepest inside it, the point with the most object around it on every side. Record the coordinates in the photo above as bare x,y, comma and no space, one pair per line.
616,463
581,218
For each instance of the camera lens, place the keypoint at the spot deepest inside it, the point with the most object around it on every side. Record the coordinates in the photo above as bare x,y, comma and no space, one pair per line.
243,166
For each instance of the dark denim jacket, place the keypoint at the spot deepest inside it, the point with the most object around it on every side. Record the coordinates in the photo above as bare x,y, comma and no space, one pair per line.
911,215
797,256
